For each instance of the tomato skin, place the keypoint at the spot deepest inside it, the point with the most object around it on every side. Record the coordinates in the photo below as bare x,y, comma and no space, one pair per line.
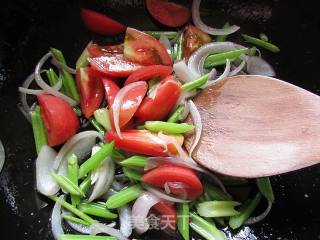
136,141
95,50
168,13
173,173
100,23
111,90
60,121
168,213
194,38
161,101
144,49
129,104
148,72
91,90
113,65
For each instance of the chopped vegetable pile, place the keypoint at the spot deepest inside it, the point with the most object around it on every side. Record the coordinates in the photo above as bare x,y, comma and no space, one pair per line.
109,134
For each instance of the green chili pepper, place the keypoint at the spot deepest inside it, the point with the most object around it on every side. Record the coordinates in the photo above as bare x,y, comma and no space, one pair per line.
205,228
217,208
221,58
96,209
258,42
124,196
133,174
67,185
265,188
174,52
39,131
84,237
102,117
183,220
137,161
73,169
95,160
245,212
189,86
222,38
157,34
169,128
264,37
176,115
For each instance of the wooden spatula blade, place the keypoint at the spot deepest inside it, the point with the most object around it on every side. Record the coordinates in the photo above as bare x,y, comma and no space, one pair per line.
256,126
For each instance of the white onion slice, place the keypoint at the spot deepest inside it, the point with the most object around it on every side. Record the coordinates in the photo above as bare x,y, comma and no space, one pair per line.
116,106
97,227
221,77
258,66
117,185
196,118
56,220
61,65
31,91
95,173
80,144
106,176
196,60
46,185
2,155
160,194
238,69
140,210
42,84
210,30
254,220
125,216
186,112
166,43
183,73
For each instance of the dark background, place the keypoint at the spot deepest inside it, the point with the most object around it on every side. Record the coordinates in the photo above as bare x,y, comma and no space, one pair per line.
29,28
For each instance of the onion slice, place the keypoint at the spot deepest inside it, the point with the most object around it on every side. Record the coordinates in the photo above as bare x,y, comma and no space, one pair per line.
116,106
210,30
97,227
140,210
196,118
183,73
46,185
221,77
238,68
42,84
160,194
61,65
125,216
254,220
80,144
2,155
56,225
258,66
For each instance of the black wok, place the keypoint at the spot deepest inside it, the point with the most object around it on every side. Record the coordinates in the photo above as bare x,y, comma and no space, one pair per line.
29,28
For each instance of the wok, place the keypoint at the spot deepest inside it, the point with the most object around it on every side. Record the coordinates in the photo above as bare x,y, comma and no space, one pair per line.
29,28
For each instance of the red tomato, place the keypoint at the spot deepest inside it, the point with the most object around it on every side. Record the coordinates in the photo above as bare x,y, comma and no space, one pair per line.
100,23
194,38
173,173
142,48
111,90
113,65
168,214
168,13
91,90
129,104
149,72
60,121
161,101
137,141
95,50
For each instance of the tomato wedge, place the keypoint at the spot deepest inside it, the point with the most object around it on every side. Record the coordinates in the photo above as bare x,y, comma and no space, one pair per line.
91,90
194,38
137,141
95,50
168,215
113,65
142,48
161,101
60,121
173,173
111,90
100,23
168,13
149,72
129,105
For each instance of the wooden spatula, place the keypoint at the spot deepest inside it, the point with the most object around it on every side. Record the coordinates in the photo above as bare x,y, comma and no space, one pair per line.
256,126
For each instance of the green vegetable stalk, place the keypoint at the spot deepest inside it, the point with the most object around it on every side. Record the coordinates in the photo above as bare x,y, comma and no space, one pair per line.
133,174
73,169
168,128
102,117
261,43
217,209
221,58
222,38
97,125
183,220
39,131
265,188
75,220
156,34
176,115
136,161
189,86
215,193
67,185
96,209
84,237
